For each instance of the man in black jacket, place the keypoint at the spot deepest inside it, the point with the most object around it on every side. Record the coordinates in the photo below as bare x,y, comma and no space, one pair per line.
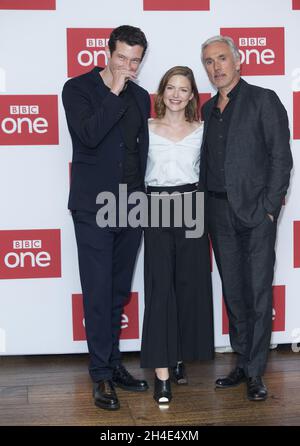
107,116
245,166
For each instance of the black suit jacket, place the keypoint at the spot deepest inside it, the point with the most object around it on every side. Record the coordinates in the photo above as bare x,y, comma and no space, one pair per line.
93,115
258,156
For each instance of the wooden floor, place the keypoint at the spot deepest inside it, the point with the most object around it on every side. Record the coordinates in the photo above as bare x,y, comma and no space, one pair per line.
56,391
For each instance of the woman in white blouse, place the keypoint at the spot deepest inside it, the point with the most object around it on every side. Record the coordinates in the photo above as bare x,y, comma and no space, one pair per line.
178,319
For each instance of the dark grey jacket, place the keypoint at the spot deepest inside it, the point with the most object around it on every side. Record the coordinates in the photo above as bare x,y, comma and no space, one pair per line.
258,156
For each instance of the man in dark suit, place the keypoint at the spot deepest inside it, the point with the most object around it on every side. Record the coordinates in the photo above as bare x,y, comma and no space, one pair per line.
107,118
245,166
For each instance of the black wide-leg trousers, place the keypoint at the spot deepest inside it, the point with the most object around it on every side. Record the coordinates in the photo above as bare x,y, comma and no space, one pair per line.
178,317
245,258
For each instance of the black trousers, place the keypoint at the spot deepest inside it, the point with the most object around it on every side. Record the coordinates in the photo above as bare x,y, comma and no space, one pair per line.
106,263
178,318
245,258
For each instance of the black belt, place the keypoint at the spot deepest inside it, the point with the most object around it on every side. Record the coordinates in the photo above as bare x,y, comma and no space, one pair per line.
169,189
220,195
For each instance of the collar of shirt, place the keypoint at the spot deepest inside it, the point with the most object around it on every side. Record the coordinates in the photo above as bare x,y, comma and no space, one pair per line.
231,95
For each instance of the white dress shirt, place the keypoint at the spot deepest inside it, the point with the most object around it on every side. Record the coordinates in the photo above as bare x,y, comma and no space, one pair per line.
173,163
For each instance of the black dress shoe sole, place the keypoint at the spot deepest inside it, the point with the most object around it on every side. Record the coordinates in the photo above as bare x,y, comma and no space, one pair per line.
219,386
131,388
107,406
257,398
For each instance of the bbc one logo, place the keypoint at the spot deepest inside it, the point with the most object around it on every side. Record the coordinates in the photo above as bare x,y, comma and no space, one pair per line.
28,254
28,120
129,320
176,5
28,4
86,49
261,49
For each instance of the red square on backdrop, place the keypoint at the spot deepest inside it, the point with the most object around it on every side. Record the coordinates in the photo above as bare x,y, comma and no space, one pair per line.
27,120
130,318
296,4
86,49
296,114
176,5
225,321
262,50
296,244
28,4
30,254
129,323
278,308
78,318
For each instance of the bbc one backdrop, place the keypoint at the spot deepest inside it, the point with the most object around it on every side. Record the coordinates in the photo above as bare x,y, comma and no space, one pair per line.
45,42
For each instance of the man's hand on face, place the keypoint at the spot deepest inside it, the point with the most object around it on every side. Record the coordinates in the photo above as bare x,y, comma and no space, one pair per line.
120,77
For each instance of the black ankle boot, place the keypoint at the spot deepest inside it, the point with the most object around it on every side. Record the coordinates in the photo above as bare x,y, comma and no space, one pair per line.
162,391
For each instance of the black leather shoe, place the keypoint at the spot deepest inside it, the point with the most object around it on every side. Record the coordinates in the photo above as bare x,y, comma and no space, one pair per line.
178,373
256,390
105,395
235,377
123,379
162,391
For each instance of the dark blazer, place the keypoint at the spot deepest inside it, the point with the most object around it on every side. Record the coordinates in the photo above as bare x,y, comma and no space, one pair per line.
258,156
93,115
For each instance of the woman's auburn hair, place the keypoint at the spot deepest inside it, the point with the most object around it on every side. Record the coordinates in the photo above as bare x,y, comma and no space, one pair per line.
192,108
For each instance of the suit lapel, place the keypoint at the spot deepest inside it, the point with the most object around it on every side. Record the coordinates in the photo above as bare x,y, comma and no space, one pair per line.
207,117
210,106
236,115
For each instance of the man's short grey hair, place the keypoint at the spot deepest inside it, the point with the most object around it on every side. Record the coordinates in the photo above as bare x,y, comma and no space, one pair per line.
223,39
